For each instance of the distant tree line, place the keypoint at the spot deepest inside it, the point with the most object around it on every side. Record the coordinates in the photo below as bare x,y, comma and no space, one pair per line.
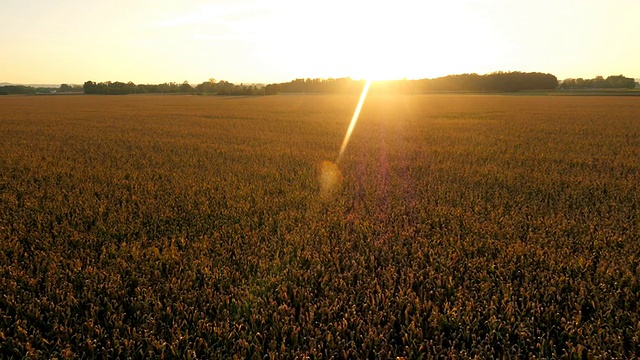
17,89
120,88
212,87
30,90
611,82
493,82
330,85
224,87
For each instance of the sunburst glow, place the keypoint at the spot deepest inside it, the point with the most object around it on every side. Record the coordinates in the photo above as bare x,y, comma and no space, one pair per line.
354,119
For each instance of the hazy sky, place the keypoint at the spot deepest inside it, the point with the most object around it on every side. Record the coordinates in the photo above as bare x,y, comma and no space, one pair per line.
155,41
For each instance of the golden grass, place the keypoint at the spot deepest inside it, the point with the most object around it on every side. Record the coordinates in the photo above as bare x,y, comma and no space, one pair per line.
464,226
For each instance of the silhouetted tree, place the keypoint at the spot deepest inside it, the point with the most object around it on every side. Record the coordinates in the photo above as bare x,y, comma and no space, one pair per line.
65,88
272,89
185,87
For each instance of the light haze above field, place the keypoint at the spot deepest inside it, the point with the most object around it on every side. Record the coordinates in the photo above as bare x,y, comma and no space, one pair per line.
251,41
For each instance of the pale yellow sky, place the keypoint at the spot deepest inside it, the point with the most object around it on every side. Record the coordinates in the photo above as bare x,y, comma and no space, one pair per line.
247,41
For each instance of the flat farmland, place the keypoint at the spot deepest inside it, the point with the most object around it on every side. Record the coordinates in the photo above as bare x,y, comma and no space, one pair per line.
195,227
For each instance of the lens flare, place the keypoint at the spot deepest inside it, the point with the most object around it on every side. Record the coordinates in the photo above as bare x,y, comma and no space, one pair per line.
330,178
354,119
328,172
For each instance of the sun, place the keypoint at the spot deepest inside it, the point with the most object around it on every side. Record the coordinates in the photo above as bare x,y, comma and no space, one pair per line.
385,41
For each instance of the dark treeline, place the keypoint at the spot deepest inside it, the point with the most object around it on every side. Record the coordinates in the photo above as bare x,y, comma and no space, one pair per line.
17,89
224,87
30,90
497,81
494,82
120,88
212,86
330,85
611,82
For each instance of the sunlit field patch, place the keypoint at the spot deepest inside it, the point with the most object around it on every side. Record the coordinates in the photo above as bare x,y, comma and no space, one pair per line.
452,226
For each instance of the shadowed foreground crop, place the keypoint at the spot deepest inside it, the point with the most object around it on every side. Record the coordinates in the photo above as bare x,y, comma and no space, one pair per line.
186,226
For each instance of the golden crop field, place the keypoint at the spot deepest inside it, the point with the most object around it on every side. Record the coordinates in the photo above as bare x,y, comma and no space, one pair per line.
194,227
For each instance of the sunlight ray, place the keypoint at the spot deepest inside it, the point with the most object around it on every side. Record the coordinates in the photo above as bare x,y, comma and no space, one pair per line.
354,119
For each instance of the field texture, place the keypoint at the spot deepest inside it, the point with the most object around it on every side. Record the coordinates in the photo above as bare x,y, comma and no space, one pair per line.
190,226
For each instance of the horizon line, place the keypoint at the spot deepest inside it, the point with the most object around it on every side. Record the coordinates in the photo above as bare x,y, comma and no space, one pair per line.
48,84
